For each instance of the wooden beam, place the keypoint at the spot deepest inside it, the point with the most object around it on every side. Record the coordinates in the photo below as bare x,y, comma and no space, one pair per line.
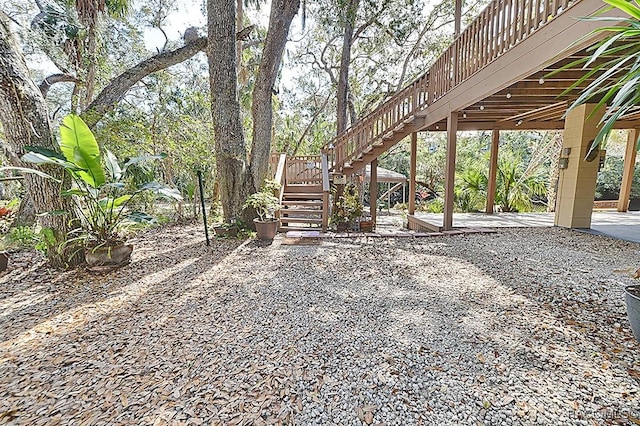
629,168
412,173
450,170
493,171
373,190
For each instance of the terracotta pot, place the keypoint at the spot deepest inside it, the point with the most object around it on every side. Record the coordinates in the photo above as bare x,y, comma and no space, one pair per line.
367,226
266,230
106,258
632,296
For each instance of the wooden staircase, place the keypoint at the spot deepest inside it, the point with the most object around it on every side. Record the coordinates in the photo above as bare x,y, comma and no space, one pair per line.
381,144
302,208
304,191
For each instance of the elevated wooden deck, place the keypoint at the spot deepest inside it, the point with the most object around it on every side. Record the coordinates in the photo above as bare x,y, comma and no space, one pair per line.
491,77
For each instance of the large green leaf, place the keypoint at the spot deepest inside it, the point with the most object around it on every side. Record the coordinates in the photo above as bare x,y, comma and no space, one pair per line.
111,163
45,151
79,146
37,158
161,190
27,170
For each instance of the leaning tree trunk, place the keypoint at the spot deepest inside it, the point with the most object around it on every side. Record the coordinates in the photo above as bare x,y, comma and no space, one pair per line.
345,62
282,13
231,157
24,118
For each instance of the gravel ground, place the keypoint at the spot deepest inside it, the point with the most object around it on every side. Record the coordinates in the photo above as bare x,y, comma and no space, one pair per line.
523,326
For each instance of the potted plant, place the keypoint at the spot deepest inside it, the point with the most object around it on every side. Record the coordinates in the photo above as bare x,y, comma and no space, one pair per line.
347,207
226,229
632,297
265,205
99,192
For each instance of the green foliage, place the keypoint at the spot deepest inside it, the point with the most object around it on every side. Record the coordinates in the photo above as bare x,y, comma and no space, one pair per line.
347,206
612,69
99,192
23,236
264,202
610,178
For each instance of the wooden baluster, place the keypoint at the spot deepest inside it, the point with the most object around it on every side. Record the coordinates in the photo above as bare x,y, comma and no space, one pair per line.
545,12
536,22
554,8
476,45
485,39
515,21
506,23
491,30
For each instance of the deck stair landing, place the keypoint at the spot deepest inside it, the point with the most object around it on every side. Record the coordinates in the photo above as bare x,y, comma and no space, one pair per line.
301,208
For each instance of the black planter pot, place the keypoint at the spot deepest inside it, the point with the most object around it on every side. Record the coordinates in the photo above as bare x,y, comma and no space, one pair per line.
108,258
632,296
4,261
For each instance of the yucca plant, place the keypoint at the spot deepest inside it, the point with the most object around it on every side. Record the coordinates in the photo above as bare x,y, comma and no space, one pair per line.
616,81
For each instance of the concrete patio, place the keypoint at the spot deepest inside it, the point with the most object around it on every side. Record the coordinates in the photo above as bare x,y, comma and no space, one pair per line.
623,226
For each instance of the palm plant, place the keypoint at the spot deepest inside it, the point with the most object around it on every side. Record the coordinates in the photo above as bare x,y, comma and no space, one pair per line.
616,81
517,186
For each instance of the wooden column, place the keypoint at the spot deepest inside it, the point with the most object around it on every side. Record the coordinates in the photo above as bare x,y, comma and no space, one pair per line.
629,168
450,171
493,171
412,173
373,191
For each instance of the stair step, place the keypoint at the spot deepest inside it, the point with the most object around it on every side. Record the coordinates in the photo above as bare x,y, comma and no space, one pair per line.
388,136
300,220
301,211
378,143
302,196
409,120
305,203
284,228
299,188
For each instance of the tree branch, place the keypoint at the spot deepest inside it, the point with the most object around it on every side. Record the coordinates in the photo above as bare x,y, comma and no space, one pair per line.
119,86
53,79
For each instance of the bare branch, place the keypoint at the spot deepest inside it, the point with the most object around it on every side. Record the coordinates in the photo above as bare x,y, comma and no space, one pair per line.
119,86
53,79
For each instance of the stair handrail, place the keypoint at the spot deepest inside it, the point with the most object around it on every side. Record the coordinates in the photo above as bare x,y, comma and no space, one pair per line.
280,177
326,188
500,26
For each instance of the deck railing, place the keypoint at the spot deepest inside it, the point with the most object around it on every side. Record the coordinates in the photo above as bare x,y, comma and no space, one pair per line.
500,26
304,169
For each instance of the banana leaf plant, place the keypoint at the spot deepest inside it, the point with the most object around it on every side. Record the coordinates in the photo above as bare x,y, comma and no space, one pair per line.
613,68
98,183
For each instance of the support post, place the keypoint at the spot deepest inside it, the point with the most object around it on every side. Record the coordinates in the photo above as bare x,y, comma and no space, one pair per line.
373,191
629,168
412,173
450,170
493,171
577,181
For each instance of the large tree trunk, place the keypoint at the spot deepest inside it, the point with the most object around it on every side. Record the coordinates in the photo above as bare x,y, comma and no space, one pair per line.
282,13
345,62
25,121
231,157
